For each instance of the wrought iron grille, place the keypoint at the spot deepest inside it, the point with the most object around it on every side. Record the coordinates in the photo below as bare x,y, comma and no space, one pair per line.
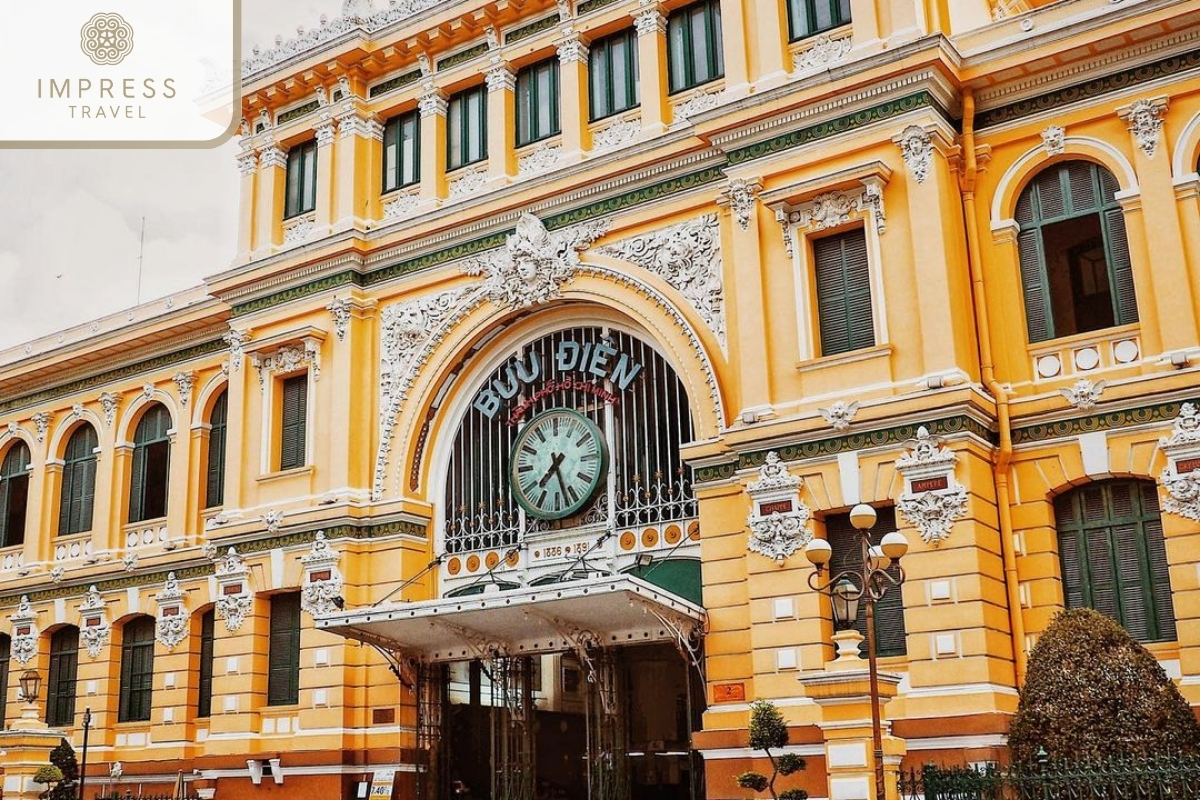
1163,777
648,482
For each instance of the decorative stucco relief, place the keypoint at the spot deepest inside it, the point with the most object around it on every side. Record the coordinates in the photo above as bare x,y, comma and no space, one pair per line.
778,518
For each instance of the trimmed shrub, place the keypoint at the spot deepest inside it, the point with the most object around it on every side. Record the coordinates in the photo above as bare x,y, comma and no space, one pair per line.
1092,692
768,731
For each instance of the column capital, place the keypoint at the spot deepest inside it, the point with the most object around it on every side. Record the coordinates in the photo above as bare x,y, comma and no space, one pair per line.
500,77
247,162
272,156
432,103
326,130
572,50
356,122
649,18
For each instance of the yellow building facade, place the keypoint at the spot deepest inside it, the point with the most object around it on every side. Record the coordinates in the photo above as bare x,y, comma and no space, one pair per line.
556,331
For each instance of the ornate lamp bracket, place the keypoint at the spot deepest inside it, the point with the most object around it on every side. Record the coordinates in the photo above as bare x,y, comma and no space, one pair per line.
778,517
933,498
1181,478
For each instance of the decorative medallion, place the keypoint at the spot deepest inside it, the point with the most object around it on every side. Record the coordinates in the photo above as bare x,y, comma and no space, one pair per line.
1054,139
339,309
932,497
1145,118
534,264
916,147
779,518
321,593
740,196
1084,394
840,414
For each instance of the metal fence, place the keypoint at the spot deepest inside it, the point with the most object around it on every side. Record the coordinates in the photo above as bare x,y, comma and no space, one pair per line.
1163,777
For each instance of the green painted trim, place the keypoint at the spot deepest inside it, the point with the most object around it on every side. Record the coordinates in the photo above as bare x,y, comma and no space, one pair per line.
533,28
679,576
463,250
394,83
148,365
714,472
335,281
645,194
588,6
1088,89
1111,420
297,112
833,127
864,439
463,57
300,538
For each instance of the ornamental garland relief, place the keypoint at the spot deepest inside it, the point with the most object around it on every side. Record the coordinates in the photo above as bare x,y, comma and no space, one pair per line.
322,581
25,632
779,518
688,257
532,269
94,627
932,499
170,627
1181,478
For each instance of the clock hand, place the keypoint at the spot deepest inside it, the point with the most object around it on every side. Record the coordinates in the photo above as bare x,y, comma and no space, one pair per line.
561,482
556,459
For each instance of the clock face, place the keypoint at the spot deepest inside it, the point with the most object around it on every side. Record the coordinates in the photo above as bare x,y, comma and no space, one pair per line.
557,463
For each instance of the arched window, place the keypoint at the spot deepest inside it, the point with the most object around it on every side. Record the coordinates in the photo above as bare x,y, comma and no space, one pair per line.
1110,543
1075,269
14,495
5,660
78,482
137,670
60,685
151,465
215,484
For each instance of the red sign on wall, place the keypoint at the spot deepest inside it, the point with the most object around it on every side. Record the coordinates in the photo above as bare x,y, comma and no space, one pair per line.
729,692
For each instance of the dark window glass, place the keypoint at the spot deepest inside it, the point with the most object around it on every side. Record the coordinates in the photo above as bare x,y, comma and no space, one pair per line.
207,639
843,283
5,660
401,151
537,102
613,74
1076,274
14,495
295,413
847,554
1110,545
301,179
151,465
694,53
283,674
78,482
137,670
214,493
810,17
466,127
61,680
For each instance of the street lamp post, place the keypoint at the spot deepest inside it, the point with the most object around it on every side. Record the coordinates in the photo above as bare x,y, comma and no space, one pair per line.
867,581
87,724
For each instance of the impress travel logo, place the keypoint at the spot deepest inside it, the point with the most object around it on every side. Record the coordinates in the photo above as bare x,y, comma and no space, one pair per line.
131,73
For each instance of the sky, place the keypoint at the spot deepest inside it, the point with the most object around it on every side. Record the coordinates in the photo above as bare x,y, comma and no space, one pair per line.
70,220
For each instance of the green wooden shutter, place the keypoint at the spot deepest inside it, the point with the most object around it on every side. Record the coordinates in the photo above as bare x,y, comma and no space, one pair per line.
1156,561
843,283
5,660
292,433
215,484
207,652
283,675
137,483
890,631
1120,269
61,677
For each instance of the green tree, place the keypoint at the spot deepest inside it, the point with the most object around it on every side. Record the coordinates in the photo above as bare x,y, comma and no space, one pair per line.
63,757
768,732
48,774
1092,692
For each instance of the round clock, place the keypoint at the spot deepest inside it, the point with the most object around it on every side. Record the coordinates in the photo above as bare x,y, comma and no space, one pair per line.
557,463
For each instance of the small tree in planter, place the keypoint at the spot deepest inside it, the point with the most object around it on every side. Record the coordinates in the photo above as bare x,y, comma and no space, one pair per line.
1092,692
48,774
768,732
63,757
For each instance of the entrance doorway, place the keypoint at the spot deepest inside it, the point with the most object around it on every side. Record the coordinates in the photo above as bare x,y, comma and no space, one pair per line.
611,725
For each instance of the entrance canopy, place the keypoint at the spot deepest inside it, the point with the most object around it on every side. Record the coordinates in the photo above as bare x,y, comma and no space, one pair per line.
597,612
